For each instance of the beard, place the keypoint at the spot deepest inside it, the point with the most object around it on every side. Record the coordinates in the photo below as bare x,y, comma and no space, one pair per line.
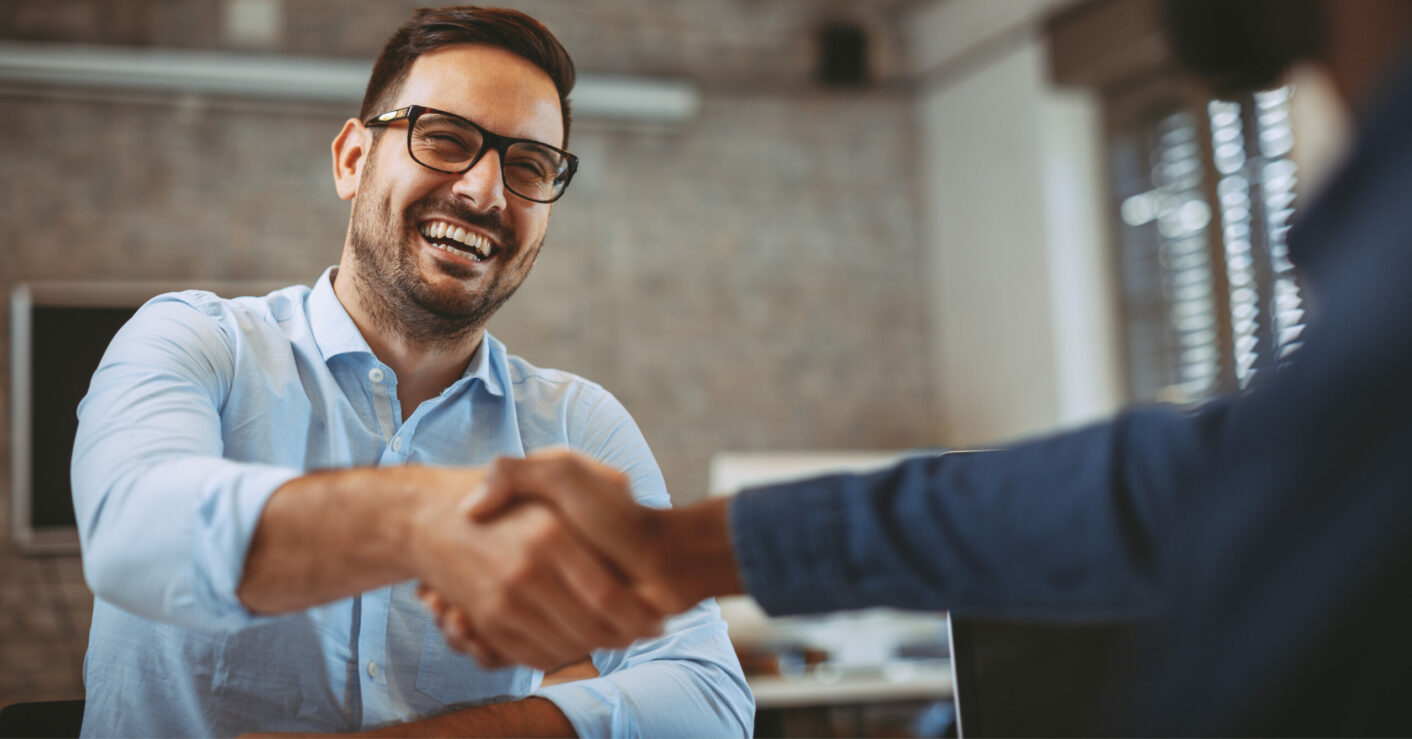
399,299
1240,46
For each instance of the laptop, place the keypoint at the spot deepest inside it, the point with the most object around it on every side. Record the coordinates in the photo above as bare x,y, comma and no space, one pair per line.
1023,679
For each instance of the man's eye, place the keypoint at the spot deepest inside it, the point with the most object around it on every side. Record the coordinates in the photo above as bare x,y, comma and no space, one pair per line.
445,139
529,168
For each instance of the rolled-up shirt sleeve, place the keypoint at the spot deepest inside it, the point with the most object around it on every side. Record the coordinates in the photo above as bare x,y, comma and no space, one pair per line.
164,520
687,682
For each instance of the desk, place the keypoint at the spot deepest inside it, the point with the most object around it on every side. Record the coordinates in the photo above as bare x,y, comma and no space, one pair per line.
922,680
902,699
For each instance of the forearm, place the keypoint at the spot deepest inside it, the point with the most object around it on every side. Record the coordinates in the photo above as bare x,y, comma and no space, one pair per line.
1064,527
333,534
700,562
530,717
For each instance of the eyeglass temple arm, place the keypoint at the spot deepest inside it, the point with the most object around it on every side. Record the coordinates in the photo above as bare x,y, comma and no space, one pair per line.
390,116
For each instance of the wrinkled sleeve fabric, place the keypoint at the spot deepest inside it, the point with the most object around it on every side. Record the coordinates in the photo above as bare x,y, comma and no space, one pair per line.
686,682
1064,527
163,519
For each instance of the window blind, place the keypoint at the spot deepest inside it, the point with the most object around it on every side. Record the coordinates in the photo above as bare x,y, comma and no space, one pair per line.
1206,191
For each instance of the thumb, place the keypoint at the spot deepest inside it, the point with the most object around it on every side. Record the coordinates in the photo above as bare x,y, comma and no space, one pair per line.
492,496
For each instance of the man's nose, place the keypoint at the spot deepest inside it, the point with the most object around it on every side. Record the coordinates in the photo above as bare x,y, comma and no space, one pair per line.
483,184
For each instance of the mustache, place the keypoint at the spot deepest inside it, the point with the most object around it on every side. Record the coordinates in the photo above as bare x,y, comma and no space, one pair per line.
453,208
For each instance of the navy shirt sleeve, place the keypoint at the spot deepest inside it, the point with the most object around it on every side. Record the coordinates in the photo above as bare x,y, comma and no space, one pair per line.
1066,527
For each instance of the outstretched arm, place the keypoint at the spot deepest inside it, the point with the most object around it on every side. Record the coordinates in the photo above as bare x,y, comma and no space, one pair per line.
176,532
1067,527
525,577
675,557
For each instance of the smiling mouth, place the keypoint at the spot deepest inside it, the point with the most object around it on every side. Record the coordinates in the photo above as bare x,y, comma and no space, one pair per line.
451,238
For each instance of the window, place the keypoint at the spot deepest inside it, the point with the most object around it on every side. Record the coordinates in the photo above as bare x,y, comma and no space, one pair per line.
1202,196
1204,192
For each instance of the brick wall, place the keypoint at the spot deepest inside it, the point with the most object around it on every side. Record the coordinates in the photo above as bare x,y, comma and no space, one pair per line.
749,279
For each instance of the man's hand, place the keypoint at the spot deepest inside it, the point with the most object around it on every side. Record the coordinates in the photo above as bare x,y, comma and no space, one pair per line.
528,582
673,559
597,501
528,588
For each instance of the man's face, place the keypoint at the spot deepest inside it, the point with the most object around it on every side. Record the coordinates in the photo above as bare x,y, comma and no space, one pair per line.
430,287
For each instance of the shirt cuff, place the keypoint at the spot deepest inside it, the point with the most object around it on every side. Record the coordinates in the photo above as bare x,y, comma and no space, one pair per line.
226,522
789,544
591,712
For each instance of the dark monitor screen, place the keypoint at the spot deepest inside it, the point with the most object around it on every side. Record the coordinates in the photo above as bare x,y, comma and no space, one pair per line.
59,331
66,345
1026,679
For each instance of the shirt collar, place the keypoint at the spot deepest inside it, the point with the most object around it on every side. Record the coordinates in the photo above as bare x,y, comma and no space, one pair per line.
333,328
336,334
488,364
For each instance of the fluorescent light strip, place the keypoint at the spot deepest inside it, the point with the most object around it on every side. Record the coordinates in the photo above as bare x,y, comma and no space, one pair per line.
287,78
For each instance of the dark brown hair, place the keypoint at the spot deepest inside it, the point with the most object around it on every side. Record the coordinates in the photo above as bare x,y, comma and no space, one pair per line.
1238,46
432,28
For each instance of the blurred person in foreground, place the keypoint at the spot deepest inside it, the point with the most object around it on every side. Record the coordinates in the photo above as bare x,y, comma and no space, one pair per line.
260,482
1262,542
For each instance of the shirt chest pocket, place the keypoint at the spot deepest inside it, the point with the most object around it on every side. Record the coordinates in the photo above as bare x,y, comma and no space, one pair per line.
451,678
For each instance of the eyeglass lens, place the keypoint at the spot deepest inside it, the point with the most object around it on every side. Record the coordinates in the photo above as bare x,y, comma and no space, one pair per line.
530,170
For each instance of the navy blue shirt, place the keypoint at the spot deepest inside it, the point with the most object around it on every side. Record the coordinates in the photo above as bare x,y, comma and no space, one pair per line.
1264,542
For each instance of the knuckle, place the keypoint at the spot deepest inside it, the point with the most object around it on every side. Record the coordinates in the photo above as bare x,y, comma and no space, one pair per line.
604,597
611,634
544,529
494,607
502,467
526,572
521,573
563,463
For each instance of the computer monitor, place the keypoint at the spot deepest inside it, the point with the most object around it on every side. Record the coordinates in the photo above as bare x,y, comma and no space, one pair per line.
1030,679
59,331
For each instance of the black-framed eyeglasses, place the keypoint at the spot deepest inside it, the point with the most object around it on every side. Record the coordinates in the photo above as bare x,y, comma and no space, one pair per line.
449,143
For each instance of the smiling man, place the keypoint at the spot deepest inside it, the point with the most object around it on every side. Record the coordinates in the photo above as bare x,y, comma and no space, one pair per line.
261,482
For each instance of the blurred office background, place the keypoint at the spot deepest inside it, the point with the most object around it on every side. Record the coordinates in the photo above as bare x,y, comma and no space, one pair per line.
799,225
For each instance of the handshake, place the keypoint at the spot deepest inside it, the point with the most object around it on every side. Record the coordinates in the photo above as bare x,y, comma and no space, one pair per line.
568,562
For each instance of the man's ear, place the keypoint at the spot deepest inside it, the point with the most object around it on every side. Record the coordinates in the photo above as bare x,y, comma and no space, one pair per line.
350,150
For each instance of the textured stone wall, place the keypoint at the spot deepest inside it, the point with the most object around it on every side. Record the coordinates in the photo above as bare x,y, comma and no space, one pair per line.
745,280
748,280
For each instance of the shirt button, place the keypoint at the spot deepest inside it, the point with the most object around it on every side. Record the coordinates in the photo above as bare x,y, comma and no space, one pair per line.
396,443
372,669
375,374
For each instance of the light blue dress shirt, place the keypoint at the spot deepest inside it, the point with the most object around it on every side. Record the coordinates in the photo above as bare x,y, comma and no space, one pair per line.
201,408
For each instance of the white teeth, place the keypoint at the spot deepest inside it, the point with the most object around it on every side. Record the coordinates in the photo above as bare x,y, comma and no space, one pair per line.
456,251
479,245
